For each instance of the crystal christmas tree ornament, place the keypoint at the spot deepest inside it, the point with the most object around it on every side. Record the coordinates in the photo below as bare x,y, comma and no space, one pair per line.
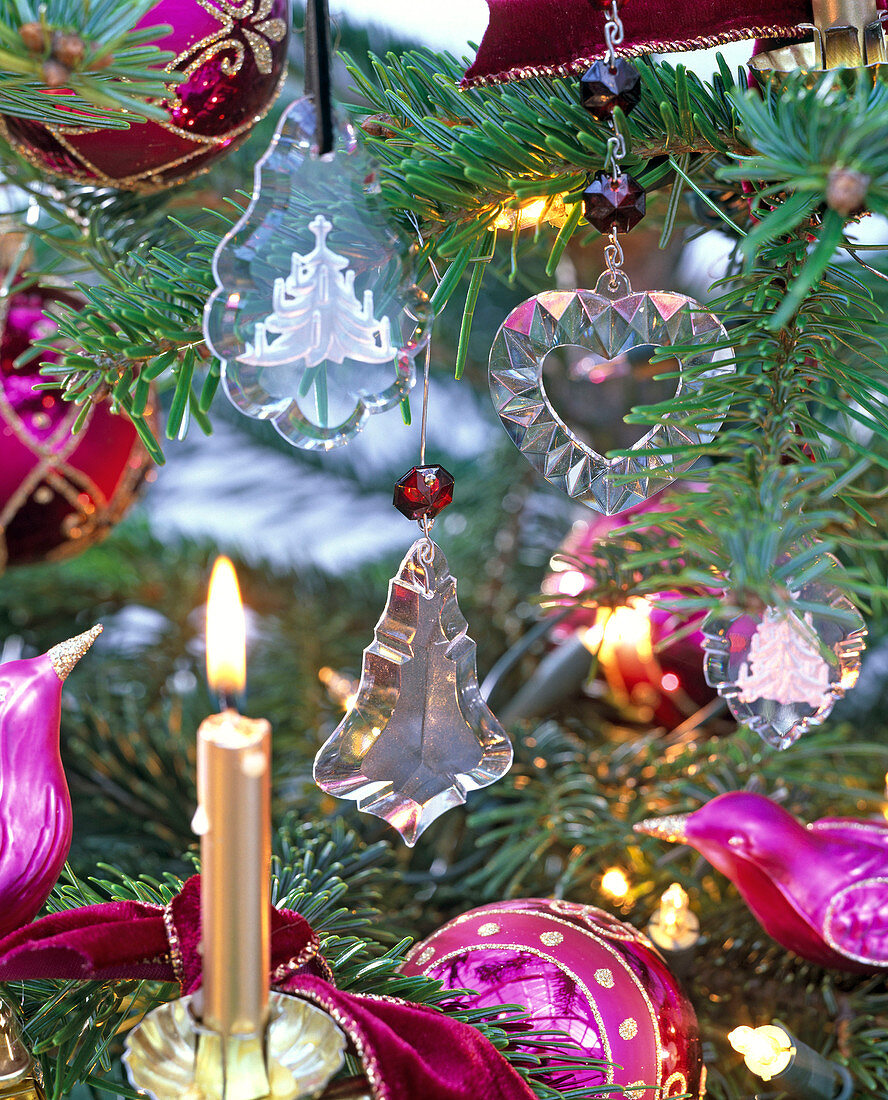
423,492
606,323
419,735
316,315
782,671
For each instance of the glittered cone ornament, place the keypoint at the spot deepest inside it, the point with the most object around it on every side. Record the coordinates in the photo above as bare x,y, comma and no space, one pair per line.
233,54
59,493
579,970
35,808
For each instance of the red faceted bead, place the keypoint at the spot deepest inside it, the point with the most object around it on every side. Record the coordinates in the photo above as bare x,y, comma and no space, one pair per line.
604,87
423,492
608,205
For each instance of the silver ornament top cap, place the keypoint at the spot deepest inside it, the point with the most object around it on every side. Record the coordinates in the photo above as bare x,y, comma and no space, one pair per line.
65,655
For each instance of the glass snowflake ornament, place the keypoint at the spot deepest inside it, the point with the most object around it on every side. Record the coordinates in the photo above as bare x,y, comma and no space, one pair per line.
782,671
419,735
316,315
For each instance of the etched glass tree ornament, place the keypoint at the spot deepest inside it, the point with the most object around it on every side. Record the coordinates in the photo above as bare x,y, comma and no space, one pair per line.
782,671
419,735
316,315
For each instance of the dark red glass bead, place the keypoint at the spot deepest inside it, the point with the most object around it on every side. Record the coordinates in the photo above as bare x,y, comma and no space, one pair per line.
603,88
608,205
423,492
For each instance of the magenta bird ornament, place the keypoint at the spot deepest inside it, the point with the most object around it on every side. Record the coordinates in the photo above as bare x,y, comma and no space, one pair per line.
35,807
820,890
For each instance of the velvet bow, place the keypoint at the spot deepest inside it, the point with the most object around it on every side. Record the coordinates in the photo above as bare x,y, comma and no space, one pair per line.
408,1050
558,37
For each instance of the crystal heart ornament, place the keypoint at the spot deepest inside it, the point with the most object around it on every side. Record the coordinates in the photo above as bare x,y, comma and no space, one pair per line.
608,322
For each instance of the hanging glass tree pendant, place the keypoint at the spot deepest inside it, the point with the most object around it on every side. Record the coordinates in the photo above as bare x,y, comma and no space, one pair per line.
316,315
782,671
419,735
606,324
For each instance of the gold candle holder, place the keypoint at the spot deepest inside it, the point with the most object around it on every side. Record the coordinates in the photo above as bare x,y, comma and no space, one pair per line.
20,1077
845,34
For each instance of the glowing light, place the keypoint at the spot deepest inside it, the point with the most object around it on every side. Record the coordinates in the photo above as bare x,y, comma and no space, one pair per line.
885,806
226,631
615,883
627,627
340,688
571,582
767,1050
674,926
669,681
530,213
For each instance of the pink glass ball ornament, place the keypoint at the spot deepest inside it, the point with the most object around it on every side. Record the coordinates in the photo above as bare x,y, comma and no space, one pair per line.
59,493
660,680
233,54
579,970
35,807
316,314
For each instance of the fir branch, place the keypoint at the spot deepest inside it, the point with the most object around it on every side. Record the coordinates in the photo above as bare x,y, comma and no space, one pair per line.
112,75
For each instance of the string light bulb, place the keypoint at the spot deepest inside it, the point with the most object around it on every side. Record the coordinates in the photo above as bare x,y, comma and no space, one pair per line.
767,1050
615,883
773,1054
528,214
674,926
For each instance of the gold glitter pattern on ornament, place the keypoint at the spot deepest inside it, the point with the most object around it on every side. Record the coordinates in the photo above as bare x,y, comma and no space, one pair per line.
489,929
636,1093
425,956
628,1028
65,655
605,978
264,30
676,1085
551,939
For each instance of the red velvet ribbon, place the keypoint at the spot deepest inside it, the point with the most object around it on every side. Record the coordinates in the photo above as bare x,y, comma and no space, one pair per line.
408,1051
557,37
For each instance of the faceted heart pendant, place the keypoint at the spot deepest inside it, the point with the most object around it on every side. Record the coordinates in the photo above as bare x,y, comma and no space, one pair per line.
316,317
419,735
608,326
782,671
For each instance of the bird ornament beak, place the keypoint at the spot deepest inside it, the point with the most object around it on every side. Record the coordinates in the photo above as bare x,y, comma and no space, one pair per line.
65,655
672,828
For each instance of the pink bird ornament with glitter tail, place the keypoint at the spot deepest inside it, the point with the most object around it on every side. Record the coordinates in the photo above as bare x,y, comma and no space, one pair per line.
820,890
35,807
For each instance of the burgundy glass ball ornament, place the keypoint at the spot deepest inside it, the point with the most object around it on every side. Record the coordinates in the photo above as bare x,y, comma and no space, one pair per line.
59,493
233,54
576,969
423,492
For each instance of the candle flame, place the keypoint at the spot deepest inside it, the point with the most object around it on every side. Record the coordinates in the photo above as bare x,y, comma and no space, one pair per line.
226,631
626,627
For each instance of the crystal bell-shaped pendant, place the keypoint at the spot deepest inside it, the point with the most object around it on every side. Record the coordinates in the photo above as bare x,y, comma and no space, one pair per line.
419,735
316,315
